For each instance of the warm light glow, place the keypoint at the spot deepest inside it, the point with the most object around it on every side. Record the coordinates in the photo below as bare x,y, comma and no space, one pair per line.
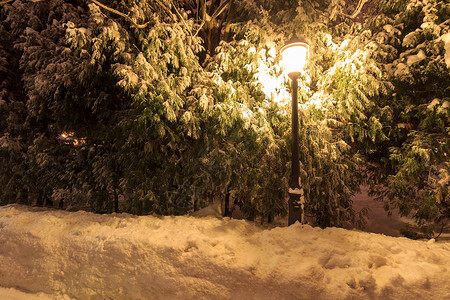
294,57
272,85
69,137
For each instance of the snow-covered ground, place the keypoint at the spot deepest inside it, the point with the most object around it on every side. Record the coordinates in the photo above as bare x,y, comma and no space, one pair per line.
52,254
379,221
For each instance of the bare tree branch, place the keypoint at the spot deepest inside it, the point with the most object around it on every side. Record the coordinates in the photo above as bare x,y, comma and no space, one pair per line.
220,10
182,20
168,11
199,28
173,17
121,14
228,22
201,10
358,8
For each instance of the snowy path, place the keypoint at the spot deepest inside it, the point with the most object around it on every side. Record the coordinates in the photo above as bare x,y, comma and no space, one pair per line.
85,256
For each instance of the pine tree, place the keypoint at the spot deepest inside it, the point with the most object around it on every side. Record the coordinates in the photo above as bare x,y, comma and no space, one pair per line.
168,129
411,169
13,133
175,105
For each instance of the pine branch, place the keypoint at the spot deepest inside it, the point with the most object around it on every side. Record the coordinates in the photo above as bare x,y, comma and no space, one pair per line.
6,1
120,14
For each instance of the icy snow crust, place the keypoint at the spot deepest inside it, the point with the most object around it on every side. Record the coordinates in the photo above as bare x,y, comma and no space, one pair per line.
50,254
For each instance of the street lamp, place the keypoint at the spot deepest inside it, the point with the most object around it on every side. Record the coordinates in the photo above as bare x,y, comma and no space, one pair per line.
294,55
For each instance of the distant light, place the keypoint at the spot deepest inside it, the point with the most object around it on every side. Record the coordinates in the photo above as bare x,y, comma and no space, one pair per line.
69,137
294,55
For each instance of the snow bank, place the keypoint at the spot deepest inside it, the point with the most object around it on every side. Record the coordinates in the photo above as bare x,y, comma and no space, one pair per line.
87,256
13,294
401,70
412,59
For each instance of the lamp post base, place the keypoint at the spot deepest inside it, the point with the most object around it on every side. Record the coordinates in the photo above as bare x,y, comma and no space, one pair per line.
295,208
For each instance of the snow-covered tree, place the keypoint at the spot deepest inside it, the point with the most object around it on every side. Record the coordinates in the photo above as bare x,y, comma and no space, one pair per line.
411,169
177,104
13,133
162,125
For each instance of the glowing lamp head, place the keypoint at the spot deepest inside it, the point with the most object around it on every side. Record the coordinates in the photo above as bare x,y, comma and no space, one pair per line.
294,55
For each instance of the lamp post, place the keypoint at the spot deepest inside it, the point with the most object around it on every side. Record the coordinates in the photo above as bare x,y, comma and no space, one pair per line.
294,54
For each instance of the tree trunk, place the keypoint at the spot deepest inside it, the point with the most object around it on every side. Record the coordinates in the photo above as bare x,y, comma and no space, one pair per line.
116,201
226,210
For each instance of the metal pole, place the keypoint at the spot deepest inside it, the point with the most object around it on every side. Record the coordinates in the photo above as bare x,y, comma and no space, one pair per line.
295,190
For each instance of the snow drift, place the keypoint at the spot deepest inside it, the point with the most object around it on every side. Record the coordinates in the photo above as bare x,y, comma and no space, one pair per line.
86,256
